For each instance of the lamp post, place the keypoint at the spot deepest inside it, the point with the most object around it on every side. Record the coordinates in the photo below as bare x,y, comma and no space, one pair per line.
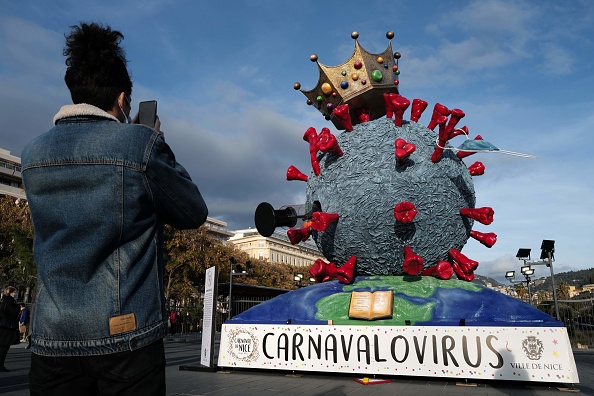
298,278
546,258
527,272
232,272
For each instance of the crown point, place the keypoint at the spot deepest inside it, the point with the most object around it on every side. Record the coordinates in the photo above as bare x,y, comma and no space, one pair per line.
313,58
296,86
355,35
397,55
390,35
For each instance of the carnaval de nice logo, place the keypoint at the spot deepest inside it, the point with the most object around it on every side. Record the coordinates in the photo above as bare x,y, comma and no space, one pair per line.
243,345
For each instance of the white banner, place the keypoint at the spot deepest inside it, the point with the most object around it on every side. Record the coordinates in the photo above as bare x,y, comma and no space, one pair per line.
541,354
210,292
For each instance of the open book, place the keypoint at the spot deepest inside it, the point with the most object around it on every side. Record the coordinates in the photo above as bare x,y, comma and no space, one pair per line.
371,306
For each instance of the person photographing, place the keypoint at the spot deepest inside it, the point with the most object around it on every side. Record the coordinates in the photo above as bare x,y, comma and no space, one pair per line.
100,188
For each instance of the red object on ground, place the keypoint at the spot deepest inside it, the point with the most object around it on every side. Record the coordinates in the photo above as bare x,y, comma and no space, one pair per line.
345,273
443,270
322,271
413,263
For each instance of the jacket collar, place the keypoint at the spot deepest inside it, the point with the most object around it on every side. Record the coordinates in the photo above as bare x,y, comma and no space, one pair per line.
81,109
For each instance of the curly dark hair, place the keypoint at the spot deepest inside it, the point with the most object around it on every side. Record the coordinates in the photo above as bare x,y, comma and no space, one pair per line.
97,71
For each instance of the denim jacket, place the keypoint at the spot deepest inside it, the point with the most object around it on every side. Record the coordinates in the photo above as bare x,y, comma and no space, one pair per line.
99,193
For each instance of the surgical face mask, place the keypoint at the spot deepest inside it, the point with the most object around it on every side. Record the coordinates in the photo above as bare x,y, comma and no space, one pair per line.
127,119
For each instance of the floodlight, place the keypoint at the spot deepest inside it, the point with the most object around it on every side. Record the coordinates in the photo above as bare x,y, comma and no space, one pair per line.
524,269
529,272
510,274
523,253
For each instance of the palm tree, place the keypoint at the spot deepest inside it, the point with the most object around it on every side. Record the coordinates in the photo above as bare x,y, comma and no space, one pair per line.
521,290
563,291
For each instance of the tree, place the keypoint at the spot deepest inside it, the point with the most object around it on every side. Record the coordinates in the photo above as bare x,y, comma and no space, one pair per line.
563,291
17,266
521,291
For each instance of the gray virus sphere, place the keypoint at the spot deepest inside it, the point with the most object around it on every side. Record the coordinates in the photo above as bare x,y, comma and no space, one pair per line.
364,185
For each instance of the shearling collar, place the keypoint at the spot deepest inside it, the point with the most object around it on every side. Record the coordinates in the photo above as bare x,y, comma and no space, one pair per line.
81,109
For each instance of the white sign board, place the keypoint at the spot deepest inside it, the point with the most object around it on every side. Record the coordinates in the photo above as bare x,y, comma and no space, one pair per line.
208,317
541,354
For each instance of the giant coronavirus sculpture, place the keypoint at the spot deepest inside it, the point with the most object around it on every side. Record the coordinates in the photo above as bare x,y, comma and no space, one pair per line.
387,195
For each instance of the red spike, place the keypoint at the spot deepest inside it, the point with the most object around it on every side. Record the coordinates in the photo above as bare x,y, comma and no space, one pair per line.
311,136
458,132
345,274
461,274
295,174
438,110
441,141
297,235
413,263
328,143
482,215
405,212
489,239
464,154
403,150
388,103
343,115
443,270
418,107
477,169
322,271
455,116
463,266
320,220
362,115
399,104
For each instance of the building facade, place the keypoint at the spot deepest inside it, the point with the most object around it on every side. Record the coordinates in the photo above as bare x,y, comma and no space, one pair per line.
276,248
11,181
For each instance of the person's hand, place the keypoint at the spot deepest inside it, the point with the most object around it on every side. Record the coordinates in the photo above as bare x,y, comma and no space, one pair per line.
157,126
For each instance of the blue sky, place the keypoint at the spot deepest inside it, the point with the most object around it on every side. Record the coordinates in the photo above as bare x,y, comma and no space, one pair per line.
223,75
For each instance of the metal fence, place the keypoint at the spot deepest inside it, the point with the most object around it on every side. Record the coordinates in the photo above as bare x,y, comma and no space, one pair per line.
578,317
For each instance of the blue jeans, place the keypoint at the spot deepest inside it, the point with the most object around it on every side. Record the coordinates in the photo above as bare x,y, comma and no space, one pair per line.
138,372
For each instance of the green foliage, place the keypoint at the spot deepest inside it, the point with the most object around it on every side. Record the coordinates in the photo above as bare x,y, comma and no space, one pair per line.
17,266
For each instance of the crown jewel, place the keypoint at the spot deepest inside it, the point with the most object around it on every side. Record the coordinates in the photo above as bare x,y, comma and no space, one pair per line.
360,83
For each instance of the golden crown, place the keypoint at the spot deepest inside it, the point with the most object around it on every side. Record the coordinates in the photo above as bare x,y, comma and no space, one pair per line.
360,83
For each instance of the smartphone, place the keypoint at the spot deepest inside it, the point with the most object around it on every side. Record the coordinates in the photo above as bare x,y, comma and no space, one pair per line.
147,113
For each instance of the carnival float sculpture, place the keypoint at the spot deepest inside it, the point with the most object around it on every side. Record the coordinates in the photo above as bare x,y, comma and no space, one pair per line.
390,204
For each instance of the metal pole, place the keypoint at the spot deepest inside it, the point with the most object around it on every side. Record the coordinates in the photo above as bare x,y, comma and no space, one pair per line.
554,287
230,290
529,292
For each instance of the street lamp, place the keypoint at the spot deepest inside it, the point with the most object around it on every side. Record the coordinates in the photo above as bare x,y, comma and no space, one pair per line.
527,272
235,270
298,278
546,258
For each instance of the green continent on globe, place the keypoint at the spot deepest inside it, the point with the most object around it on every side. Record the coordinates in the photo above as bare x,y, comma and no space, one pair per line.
336,306
364,185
